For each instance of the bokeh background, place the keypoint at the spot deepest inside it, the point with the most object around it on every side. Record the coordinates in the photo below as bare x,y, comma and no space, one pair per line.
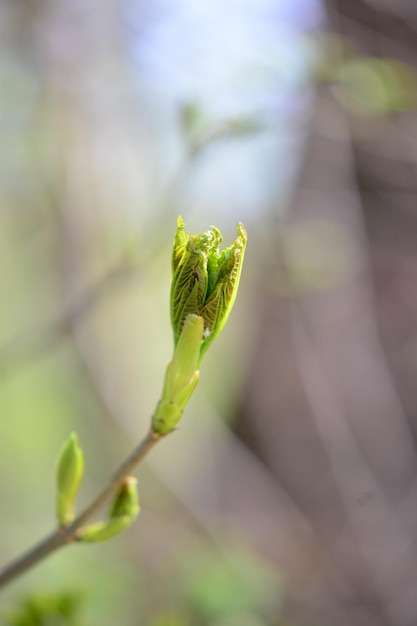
289,495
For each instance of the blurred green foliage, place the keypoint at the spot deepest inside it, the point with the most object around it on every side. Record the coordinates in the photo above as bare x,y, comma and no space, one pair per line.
367,86
378,86
62,609
230,585
201,586
171,618
223,585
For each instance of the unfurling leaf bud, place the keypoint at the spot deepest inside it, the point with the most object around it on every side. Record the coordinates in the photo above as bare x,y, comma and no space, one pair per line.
204,287
70,470
123,512
204,280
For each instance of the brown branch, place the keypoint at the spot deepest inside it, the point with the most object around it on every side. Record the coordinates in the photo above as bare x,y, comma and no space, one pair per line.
68,534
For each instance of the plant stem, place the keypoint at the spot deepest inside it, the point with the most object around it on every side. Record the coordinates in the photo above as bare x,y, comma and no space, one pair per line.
67,534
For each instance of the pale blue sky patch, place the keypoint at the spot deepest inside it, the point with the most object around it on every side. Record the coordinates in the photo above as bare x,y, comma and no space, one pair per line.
231,58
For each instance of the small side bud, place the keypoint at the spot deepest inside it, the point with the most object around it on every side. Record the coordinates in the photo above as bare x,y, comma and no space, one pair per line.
69,474
123,512
102,531
126,501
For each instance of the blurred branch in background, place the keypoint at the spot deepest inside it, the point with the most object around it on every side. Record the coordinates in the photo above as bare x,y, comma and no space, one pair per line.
23,349
328,359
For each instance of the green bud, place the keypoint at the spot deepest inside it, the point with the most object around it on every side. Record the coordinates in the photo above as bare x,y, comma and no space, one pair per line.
70,470
205,281
126,501
181,377
102,531
123,512
203,291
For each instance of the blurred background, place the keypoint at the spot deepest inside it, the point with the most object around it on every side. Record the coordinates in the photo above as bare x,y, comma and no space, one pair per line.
289,495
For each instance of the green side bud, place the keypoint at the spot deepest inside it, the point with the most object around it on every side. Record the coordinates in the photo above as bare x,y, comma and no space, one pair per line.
181,376
126,501
122,514
204,280
69,473
102,531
